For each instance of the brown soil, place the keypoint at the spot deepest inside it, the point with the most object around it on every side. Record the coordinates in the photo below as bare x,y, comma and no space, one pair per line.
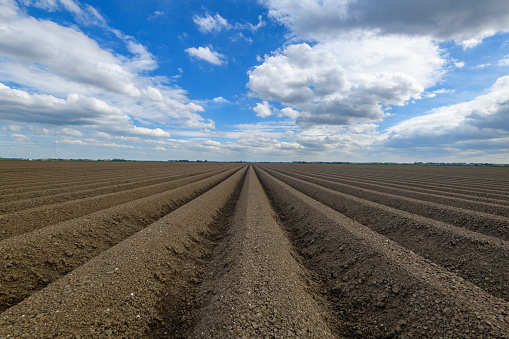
137,250
378,287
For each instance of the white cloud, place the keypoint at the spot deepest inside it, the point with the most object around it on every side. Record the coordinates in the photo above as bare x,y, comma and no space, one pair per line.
92,142
433,94
20,137
70,132
205,53
459,64
504,61
250,26
86,15
76,110
289,112
64,52
142,61
482,66
71,6
484,118
263,110
12,128
86,83
347,81
241,36
470,43
220,100
208,23
156,15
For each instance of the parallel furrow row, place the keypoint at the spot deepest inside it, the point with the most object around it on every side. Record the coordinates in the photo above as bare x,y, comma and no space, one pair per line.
266,250
120,291
58,185
33,260
499,188
34,218
482,222
378,287
58,182
57,196
413,187
478,258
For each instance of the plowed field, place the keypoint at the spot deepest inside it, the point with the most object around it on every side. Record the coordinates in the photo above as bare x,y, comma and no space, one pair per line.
198,250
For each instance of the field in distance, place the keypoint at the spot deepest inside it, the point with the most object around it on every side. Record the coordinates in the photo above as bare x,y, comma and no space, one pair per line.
154,249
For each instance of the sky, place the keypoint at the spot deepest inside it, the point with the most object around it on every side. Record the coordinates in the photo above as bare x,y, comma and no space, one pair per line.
255,80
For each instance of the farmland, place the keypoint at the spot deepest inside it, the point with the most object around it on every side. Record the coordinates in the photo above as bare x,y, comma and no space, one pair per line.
98,249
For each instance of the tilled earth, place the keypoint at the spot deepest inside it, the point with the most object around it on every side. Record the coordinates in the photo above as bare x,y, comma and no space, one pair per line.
191,250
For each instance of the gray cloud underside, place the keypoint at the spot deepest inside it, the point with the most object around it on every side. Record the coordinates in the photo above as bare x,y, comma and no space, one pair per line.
440,19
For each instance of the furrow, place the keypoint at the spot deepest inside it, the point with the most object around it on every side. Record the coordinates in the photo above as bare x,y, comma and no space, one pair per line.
33,260
58,178
437,197
379,288
258,289
409,176
101,189
57,183
62,176
478,258
79,184
118,293
488,224
32,219
434,191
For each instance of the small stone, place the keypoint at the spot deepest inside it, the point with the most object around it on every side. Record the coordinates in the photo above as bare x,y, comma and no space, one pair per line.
108,332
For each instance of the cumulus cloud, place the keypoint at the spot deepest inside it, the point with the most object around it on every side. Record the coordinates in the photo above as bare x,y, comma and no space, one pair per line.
484,118
205,53
208,23
289,112
66,53
263,110
220,100
67,78
76,110
367,55
346,81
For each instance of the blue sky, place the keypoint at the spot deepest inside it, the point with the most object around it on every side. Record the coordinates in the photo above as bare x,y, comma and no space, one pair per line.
266,80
